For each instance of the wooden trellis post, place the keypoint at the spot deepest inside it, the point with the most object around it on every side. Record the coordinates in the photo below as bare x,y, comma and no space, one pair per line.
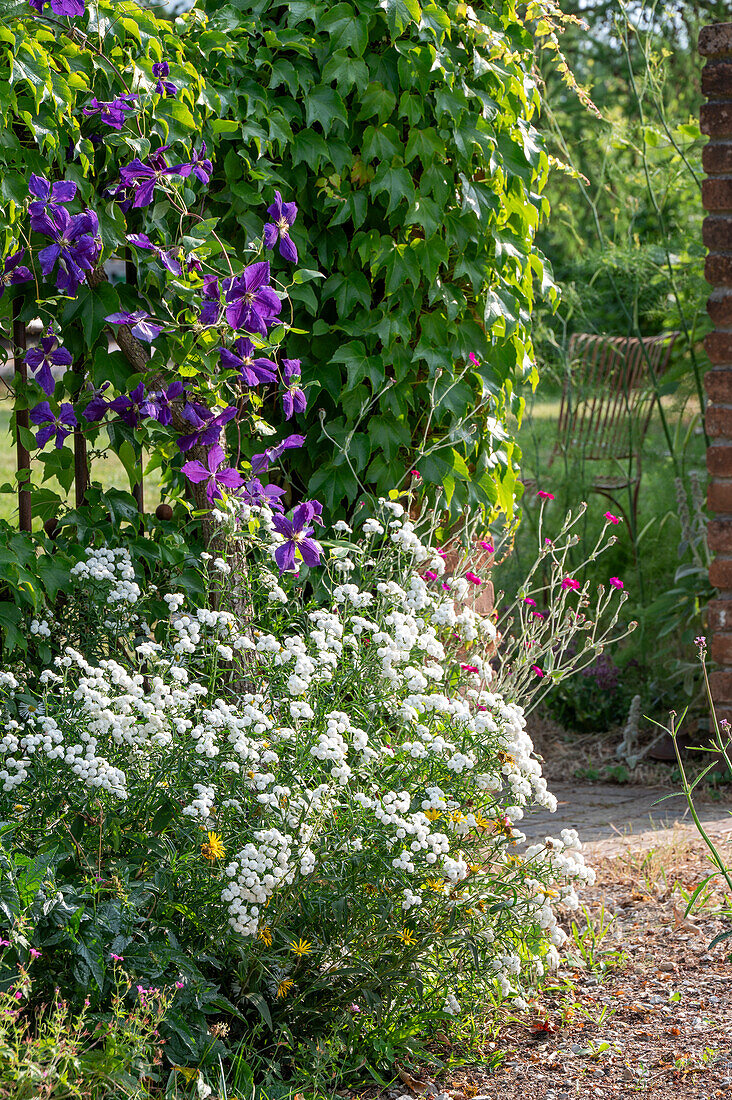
25,513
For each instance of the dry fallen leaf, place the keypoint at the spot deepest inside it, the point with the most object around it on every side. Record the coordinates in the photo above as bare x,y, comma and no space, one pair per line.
411,1082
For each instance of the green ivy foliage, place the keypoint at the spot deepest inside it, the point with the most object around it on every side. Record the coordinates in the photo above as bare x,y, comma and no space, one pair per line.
404,134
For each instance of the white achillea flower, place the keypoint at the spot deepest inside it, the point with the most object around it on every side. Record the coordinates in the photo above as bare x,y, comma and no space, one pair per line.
329,738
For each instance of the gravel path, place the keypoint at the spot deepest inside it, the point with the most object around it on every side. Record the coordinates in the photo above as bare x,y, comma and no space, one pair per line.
611,818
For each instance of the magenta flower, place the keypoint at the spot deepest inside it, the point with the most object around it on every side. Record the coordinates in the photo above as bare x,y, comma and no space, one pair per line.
616,582
543,495
35,953
50,424
47,355
474,359
570,583
293,399
537,670
13,272
537,615
611,518
430,576
214,473
473,578
116,958
283,216
529,601
469,668
445,586
487,546
297,534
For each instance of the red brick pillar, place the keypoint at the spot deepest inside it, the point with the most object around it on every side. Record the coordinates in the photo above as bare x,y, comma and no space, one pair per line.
715,45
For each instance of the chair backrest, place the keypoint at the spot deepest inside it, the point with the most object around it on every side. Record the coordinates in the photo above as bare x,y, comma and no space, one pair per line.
607,394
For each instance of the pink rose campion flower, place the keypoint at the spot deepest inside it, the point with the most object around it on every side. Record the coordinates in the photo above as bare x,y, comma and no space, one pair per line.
616,582
487,546
543,495
473,578
611,518
570,583
469,668
529,601
537,670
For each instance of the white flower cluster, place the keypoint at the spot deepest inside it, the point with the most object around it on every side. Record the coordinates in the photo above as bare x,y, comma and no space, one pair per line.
339,742
113,568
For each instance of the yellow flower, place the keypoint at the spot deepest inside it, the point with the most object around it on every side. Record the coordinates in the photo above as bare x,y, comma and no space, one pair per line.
301,947
432,815
475,868
265,935
550,893
284,987
189,1072
436,884
408,937
214,849
481,821
457,816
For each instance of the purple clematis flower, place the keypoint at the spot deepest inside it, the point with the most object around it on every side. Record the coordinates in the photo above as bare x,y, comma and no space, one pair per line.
213,474
297,534
193,263
97,407
49,196
208,425
158,403
241,357
75,242
164,87
61,426
112,112
140,327
13,271
72,8
293,399
201,166
283,216
130,406
262,462
211,308
253,492
167,259
251,304
144,177
47,355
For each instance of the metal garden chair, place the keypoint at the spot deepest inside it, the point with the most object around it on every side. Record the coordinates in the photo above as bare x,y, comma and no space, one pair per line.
606,407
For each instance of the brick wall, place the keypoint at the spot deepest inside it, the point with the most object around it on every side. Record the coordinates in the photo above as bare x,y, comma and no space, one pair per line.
715,46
